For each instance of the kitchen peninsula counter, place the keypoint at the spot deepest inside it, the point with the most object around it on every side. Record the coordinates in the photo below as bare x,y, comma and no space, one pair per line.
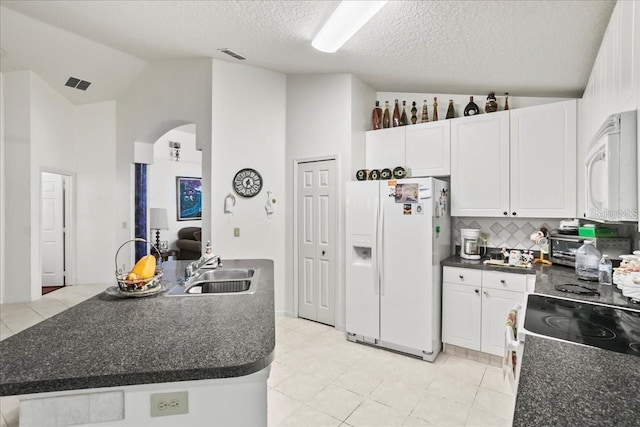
109,341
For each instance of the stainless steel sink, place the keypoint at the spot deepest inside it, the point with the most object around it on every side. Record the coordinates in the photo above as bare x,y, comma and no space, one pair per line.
223,274
232,281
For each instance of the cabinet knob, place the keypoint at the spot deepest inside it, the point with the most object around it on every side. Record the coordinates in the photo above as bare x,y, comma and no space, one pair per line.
505,213
461,277
486,293
513,213
477,291
503,282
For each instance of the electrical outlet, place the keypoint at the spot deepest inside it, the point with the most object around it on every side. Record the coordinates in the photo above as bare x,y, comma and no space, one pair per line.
485,237
236,232
163,404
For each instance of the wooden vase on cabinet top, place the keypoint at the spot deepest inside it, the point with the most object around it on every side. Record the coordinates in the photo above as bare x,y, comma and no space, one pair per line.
396,115
451,113
506,101
425,112
414,113
471,109
386,119
491,105
403,118
435,108
376,117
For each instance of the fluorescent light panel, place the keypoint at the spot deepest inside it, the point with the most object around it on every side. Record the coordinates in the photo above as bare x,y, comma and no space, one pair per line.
345,21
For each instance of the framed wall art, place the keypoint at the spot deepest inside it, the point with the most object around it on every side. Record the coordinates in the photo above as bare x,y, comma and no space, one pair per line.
189,198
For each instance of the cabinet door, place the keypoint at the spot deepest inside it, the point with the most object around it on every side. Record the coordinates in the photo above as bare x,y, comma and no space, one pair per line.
385,148
461,306
543,160
428,148
496,305
480,165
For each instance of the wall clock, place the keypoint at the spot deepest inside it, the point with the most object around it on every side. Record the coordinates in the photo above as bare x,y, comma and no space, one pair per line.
247,182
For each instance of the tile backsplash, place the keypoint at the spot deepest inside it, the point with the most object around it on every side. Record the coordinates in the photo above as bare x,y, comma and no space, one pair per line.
512,233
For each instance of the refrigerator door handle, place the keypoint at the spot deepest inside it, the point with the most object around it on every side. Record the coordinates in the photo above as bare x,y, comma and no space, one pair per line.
376,270
381,248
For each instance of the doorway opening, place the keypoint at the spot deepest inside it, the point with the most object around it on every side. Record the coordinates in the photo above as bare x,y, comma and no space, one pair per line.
54,236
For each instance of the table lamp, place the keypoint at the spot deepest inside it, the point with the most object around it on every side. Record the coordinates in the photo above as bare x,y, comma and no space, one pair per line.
158,221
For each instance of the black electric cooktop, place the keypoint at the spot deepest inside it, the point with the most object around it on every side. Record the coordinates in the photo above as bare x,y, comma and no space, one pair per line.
603,326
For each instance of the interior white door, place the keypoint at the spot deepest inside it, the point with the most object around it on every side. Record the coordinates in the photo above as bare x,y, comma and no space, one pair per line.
317,223
52,229
406,253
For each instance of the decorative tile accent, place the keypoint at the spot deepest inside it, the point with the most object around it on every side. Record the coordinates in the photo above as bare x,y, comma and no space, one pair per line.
511,228
510,232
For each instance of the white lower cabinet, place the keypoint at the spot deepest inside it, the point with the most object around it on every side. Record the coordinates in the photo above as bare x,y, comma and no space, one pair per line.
475,305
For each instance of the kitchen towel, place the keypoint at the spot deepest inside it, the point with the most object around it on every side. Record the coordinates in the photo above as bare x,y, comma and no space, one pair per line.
509,361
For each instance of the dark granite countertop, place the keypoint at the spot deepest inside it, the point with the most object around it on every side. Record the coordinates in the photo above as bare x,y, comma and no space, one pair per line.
567,384
549,276
109,341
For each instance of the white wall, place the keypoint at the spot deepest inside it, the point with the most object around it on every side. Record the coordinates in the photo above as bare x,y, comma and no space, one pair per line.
161,179
324,117
2,189
95,194
249,115
154,104
47,133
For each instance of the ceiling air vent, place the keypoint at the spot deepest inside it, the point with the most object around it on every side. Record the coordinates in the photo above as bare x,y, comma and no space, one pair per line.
232,53
77,83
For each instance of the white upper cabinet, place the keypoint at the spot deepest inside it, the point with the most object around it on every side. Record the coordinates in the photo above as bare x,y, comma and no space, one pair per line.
543,161
385,148
424,148
428,148
515,163
480,165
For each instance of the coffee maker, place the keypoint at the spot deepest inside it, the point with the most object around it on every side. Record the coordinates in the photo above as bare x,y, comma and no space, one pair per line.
470,246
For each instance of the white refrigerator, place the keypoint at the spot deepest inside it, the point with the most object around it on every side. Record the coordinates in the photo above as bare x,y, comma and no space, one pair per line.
397,232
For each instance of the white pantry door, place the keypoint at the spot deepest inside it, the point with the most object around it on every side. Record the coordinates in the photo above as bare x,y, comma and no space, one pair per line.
317,246
52,229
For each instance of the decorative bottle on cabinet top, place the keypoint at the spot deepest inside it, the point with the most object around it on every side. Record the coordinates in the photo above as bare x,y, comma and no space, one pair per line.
386,120
403,118
425,112
451,113
414,113
471,109
435,108
506,101
376,117
491,105
396,115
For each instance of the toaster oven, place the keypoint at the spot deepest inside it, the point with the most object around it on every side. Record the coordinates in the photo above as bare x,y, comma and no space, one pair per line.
563,248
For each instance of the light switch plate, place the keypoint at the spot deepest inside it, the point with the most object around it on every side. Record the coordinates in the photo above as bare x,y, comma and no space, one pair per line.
236,232
163,404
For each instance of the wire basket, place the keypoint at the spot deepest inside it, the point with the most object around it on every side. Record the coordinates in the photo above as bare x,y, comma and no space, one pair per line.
138,286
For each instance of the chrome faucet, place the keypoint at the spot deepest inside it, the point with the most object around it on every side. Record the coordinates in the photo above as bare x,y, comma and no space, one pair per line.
211,261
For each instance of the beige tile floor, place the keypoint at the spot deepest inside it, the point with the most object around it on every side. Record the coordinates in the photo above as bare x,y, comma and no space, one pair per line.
318,378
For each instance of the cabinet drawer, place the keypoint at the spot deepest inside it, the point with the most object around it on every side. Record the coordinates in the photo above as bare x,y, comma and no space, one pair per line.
463,276
504,281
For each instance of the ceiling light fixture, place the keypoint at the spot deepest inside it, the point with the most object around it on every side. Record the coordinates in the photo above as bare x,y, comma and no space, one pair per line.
345,21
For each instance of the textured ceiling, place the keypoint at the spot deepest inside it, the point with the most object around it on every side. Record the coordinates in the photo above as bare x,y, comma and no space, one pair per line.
526,48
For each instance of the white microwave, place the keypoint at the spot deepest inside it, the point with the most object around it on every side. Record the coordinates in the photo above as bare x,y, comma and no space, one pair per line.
611,174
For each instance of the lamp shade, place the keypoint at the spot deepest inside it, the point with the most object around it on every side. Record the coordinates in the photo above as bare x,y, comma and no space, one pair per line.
158,219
